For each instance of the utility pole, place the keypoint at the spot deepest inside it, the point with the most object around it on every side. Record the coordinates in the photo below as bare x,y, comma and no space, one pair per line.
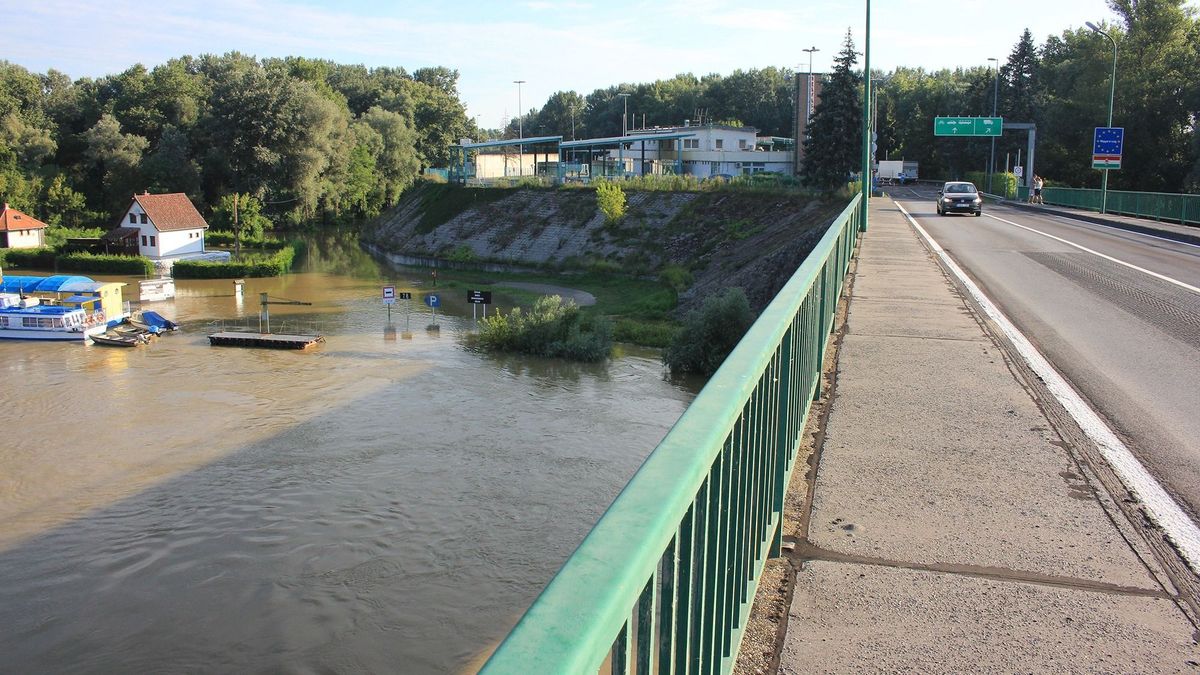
1112,90
237,231
995,94
624,115
866,130
520,132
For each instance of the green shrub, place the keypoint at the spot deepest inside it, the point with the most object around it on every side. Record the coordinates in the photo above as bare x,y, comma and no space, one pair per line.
611,200
646,333
36,258
709,334
551,328
678,278
253,265
462,254
105,263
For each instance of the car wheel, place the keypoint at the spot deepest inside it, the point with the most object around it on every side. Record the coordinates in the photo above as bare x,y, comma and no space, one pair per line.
979,213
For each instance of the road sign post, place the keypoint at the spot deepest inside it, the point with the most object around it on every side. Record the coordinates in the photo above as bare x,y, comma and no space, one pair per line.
479,298
1108,144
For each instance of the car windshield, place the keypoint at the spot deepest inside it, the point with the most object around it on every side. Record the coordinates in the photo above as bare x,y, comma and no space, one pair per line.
960,187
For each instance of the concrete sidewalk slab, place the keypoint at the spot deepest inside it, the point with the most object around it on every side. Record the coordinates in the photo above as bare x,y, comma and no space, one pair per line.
951,529
873,619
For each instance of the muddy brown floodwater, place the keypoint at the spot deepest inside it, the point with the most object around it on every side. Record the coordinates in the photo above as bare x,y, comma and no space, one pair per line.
371,505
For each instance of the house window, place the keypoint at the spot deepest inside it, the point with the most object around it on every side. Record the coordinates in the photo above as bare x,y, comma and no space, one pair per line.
144,220
151,240
133,218
720,143
143,237
691,144
741,144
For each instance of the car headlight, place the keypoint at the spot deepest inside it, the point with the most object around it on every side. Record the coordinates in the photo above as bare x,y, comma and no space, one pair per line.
947,200
978,200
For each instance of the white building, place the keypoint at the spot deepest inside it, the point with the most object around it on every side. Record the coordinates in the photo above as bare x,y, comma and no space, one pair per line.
711,150
168,225
20,230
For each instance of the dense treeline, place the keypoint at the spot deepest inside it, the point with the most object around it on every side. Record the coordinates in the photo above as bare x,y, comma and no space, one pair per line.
310,140
1062,86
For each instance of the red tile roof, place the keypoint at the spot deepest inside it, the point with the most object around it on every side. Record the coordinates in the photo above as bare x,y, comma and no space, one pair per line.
12,219
172,211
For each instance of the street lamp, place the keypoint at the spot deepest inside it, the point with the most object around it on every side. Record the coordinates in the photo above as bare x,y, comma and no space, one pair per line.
809,96
995,95
520,132
866,130
625,114
1111,91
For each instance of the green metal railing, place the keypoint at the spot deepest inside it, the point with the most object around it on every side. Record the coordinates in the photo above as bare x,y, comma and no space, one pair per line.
664,581
1168,206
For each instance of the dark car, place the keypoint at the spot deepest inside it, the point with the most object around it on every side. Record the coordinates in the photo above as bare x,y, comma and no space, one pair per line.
959,197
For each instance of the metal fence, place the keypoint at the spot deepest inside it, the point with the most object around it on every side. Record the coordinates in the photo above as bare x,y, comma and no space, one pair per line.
665,580
1171,207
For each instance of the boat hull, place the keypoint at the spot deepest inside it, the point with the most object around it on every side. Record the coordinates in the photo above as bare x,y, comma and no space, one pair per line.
42,335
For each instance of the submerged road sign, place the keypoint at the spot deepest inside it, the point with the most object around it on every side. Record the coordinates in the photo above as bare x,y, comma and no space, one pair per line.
968,126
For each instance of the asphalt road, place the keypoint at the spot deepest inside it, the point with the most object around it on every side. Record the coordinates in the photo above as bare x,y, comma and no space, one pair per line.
1127,340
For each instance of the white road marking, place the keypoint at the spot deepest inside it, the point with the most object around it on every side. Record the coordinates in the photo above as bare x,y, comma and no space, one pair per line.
1161,508
1097,253
1068,220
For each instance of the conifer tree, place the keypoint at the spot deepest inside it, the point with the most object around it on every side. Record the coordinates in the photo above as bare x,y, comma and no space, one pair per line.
834,147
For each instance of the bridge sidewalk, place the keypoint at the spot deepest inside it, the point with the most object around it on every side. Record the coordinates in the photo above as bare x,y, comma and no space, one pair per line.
951,529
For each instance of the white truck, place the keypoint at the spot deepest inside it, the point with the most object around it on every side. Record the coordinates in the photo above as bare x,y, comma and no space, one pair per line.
896,171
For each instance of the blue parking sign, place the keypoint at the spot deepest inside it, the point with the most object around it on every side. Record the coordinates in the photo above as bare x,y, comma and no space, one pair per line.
433,300
1108,141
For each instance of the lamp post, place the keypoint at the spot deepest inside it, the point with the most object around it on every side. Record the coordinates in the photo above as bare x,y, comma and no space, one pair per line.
1112,89
866,130
995,96
625,114
808,92
520,132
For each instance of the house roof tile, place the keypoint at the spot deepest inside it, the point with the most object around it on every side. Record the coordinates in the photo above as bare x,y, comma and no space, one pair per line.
171,212
12,219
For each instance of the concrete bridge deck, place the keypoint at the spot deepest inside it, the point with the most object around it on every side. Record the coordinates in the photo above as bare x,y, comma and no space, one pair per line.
958,522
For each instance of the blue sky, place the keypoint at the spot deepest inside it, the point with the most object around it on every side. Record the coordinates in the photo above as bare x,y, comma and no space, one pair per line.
552,44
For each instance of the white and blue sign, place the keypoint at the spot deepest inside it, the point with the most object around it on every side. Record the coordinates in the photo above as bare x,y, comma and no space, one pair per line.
1108,141
433,300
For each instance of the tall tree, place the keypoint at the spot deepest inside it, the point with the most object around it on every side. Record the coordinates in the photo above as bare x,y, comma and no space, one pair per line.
833,150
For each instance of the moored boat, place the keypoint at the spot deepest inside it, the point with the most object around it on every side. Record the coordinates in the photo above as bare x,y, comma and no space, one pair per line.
27,318
111,340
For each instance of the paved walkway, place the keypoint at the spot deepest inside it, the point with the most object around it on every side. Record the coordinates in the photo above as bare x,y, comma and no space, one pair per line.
951,530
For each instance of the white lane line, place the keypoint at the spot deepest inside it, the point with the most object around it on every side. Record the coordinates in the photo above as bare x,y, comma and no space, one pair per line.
1097,253
1161,508
1075,222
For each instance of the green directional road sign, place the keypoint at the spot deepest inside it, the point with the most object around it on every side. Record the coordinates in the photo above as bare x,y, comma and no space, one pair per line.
968,126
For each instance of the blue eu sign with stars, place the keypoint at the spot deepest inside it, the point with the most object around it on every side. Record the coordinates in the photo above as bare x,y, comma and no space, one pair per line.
1107,146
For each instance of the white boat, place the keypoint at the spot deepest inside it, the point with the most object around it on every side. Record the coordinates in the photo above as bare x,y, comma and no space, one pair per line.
27,318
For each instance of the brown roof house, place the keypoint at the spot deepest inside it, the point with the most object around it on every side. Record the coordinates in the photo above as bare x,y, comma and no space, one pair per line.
20,230
169,228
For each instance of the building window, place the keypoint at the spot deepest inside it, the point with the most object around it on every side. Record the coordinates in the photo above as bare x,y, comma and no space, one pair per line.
133,218
151,240
691,144
143,237
741,144
720,143
144,220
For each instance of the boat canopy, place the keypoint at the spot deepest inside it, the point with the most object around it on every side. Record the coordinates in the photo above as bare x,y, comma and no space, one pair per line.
80,299
54,284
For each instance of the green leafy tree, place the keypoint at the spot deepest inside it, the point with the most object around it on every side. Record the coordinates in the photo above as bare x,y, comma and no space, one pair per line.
64,206
709,334
833,149
611,200
116,158
242,215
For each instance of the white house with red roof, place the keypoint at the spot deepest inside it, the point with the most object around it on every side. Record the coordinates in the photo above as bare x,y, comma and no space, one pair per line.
168,225
20,230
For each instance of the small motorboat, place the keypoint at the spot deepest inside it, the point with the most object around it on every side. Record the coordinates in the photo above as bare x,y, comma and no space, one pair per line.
117,340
